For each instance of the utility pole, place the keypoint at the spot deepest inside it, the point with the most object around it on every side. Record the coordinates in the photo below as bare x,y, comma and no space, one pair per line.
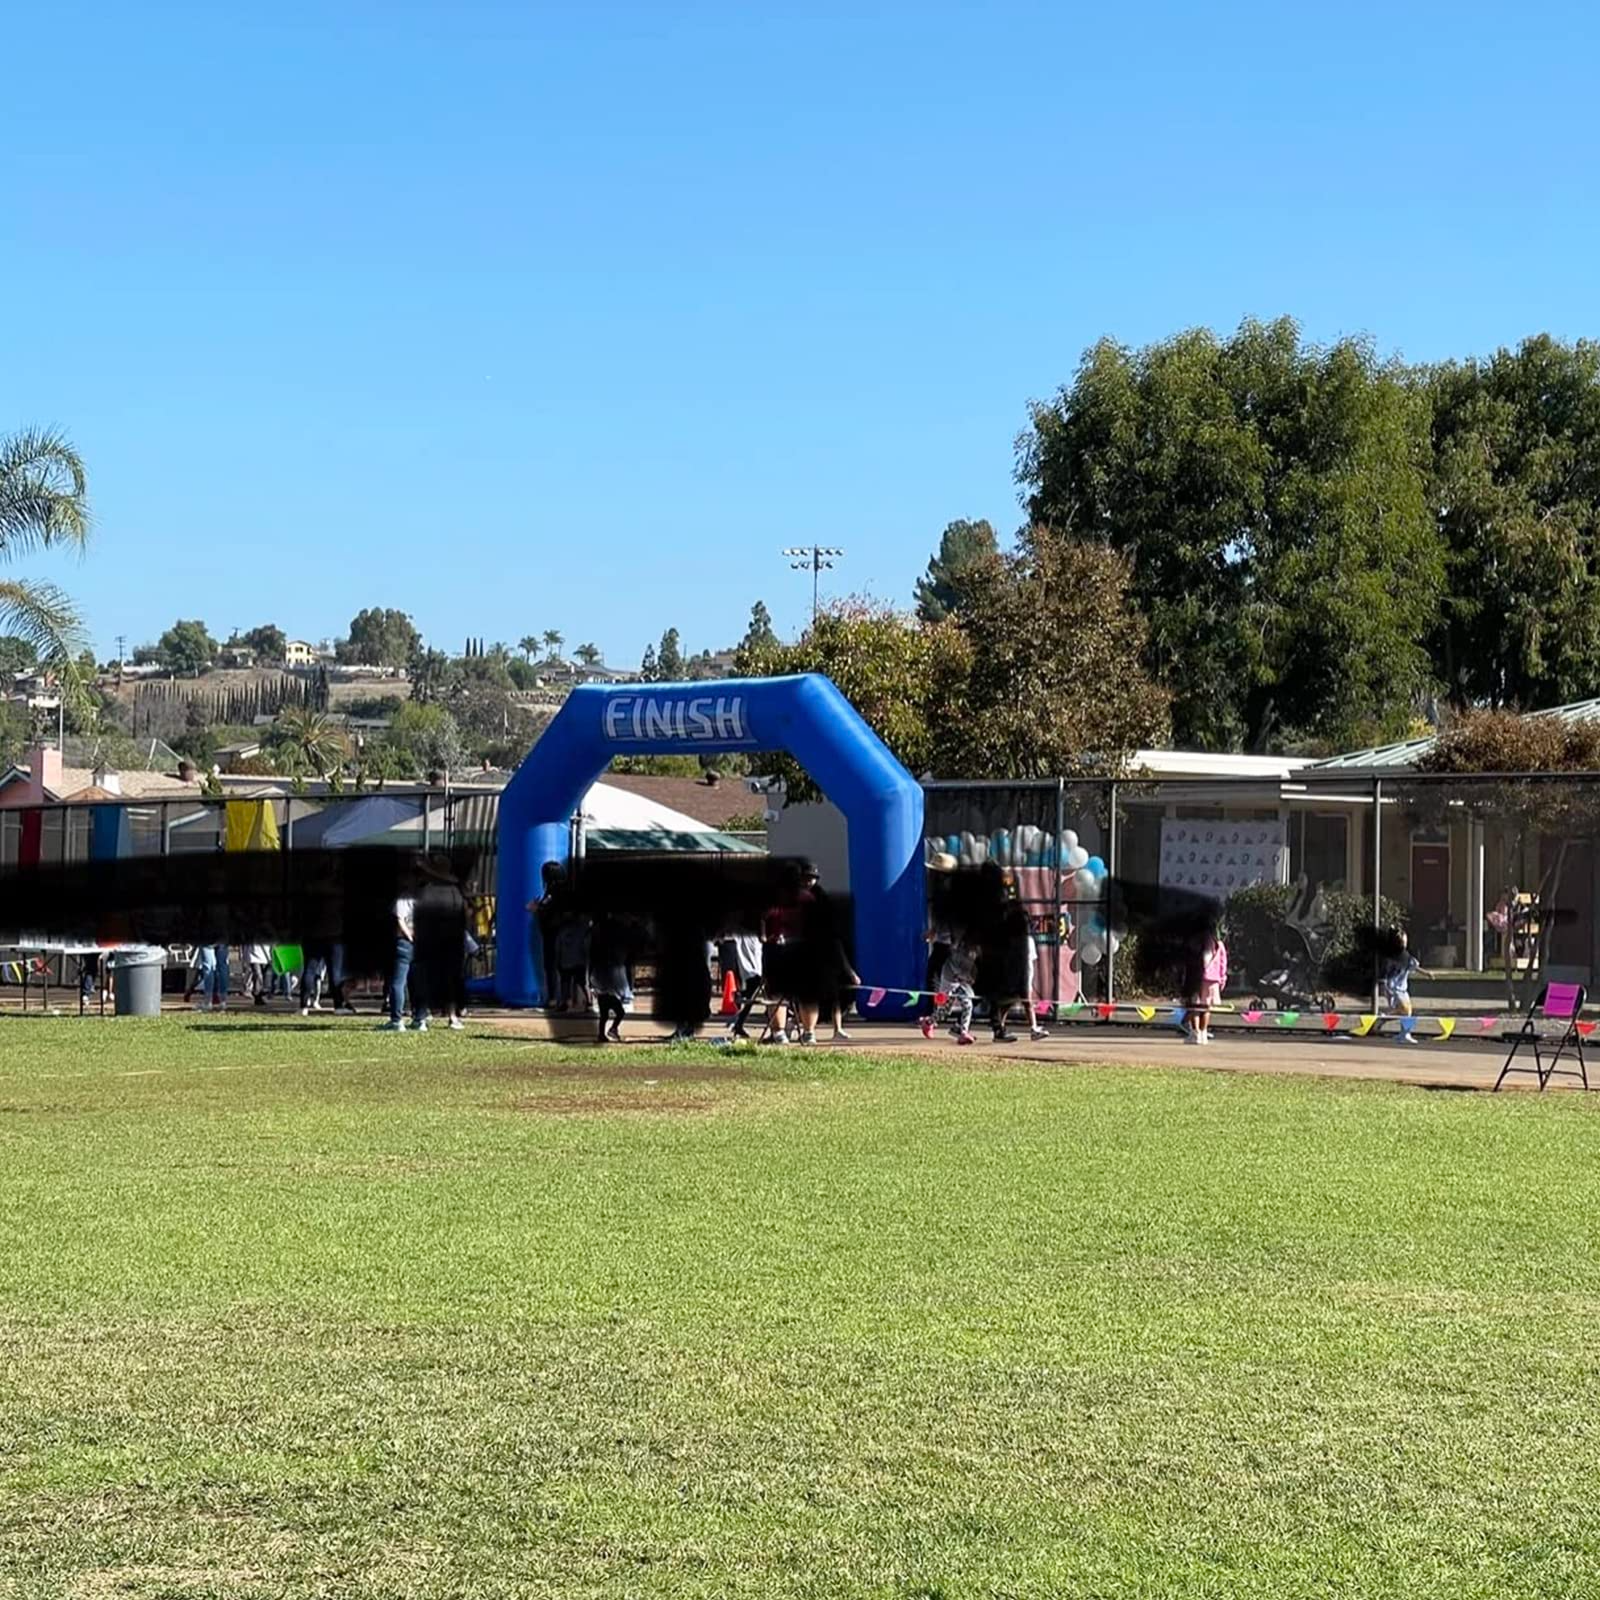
816,559
122,641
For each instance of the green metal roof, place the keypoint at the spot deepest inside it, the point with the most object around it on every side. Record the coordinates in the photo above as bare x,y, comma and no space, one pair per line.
1380,758
1392,757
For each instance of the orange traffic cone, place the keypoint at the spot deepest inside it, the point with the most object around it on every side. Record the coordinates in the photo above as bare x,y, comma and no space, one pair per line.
730,994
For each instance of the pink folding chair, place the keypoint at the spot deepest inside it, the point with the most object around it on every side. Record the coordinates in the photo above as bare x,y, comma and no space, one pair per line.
1557,1002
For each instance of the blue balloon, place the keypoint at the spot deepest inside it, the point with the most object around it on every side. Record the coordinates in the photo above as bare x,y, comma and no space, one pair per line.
1096,866
952,845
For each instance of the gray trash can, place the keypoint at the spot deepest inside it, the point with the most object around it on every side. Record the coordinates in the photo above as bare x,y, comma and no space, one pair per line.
136,982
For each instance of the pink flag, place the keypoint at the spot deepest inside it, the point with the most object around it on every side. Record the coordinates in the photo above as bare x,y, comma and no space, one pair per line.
1251,1016
877,997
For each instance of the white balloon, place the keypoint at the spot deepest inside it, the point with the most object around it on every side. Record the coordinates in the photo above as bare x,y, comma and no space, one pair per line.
980,851
1076,857
1114,943
1091,953
1084,884
1069,842
968,855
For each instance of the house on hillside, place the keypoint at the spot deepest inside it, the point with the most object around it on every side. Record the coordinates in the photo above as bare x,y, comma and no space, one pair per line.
300,653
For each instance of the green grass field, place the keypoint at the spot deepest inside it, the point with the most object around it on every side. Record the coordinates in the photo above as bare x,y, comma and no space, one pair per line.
295,1311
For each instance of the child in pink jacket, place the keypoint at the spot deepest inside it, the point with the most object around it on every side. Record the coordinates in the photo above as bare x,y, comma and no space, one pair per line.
1213,975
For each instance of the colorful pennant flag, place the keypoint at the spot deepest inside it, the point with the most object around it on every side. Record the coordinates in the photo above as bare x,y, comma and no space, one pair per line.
941,998
1287,1019
1071,1009
1331,1020
1488,1024
1147,1013
1364,1025
1106,1012
1179,1015
877,997
1584,1028
1251,1016
1408,1025
1447,1026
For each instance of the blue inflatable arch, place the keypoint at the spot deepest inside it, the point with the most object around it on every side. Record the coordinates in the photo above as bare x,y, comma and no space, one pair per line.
804,715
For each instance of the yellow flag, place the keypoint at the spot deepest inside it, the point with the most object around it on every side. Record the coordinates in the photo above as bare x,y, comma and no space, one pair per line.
1447,1026
1364,1026
1147,1013
251,825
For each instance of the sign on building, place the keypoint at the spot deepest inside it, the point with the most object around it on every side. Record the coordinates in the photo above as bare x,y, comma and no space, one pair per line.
1220,858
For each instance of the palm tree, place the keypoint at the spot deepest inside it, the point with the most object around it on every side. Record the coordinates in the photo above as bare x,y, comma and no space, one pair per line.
553,641
312,740
43,505
527,644
588,654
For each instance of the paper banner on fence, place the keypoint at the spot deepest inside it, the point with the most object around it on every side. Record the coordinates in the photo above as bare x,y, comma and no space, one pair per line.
877,997
1251,1016
1331,1020
1147,1013
1287,1019
1364,1025
1447,1026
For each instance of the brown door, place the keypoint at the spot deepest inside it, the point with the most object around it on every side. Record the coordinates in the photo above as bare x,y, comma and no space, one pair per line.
1430,888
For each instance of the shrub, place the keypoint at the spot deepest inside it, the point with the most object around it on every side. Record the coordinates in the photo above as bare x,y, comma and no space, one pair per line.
1254,920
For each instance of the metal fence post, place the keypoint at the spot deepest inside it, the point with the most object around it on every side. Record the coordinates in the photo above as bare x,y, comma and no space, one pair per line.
1105,904
1058,944
1377,877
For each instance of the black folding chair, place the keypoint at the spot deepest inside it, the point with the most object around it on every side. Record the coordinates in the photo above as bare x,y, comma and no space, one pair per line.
1557,1002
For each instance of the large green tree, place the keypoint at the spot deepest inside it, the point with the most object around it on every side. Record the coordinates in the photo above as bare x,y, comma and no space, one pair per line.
269,642
44,505
962,546
760,635
1054,683
669,657
16,655
424,738
380,637
187,646
906,677
1516,484
1271,497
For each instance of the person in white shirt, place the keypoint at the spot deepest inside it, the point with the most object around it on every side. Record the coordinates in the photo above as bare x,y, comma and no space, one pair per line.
405,949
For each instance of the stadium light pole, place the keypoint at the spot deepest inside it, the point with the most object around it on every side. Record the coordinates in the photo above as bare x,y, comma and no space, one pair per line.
813,558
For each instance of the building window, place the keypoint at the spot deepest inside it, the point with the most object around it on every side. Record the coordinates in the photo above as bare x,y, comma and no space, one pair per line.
1319,848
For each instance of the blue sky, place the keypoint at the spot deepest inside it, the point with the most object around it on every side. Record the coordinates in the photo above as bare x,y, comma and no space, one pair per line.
521,316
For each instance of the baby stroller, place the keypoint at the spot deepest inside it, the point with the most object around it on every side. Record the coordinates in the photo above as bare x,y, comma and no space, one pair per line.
1291,984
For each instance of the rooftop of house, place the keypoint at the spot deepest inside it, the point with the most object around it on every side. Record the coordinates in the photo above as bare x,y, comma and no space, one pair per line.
1403,755
714,804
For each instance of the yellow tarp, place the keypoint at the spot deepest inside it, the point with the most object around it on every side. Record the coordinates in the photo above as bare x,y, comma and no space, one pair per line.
251,825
